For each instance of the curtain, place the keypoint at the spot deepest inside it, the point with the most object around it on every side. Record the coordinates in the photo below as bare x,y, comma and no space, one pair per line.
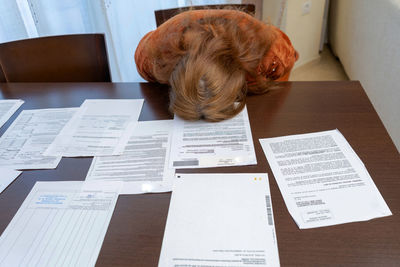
124,23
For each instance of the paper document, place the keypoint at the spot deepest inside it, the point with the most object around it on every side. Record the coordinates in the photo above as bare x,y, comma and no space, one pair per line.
23,144
59,224
143,167
8,108
220,220
7,177
101,127
200,144
322,180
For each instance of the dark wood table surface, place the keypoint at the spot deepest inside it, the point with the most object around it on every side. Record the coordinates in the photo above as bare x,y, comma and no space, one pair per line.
136,229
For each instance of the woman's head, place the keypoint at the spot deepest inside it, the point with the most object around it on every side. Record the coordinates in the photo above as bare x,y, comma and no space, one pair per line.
207,88
217,56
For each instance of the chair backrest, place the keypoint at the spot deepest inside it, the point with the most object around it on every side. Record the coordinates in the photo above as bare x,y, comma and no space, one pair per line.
165,14
64,58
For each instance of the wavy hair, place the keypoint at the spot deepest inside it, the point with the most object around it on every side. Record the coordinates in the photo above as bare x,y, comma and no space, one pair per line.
209,64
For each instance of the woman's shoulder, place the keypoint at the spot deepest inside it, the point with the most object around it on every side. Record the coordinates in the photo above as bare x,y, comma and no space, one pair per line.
280,58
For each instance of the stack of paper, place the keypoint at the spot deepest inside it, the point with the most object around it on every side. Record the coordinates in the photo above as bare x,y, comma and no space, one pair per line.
203,144
7,177
213,219
23,144
101,127
220,220
322,180
59,224
7,109
143,167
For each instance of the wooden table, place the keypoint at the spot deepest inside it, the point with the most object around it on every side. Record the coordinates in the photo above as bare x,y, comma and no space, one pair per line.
136,230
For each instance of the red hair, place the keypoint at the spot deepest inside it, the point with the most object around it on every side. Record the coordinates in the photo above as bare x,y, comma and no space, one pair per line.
209,64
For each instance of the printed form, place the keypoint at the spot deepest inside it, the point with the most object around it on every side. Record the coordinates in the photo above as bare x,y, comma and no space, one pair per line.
322,180
220,220
200,144
8,108
101,127
143,167
23,144
59,224
7,177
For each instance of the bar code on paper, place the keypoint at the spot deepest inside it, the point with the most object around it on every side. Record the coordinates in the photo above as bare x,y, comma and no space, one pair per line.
269,210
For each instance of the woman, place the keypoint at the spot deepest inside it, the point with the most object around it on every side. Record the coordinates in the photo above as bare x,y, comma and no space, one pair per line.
212,59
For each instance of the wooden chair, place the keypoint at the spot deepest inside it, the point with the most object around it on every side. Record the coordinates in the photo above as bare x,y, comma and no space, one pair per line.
165,14
65,58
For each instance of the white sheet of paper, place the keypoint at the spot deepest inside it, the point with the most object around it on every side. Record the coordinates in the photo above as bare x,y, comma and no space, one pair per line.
322,180
7,177
8,108
200,144
23,144
101,127
220,220
143,167
59,224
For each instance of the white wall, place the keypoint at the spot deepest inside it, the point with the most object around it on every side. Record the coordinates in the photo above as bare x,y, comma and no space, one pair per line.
303,30
272,10
365,35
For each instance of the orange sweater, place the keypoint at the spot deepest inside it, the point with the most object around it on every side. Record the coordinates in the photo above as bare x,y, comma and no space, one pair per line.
276,65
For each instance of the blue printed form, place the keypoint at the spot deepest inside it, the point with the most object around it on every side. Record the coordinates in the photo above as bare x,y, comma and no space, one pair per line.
60,224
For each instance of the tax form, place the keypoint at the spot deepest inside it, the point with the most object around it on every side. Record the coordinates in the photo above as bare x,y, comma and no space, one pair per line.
23,144
8,108
59,224
322,180
143,167
200,144
7,177
101,127
220,220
